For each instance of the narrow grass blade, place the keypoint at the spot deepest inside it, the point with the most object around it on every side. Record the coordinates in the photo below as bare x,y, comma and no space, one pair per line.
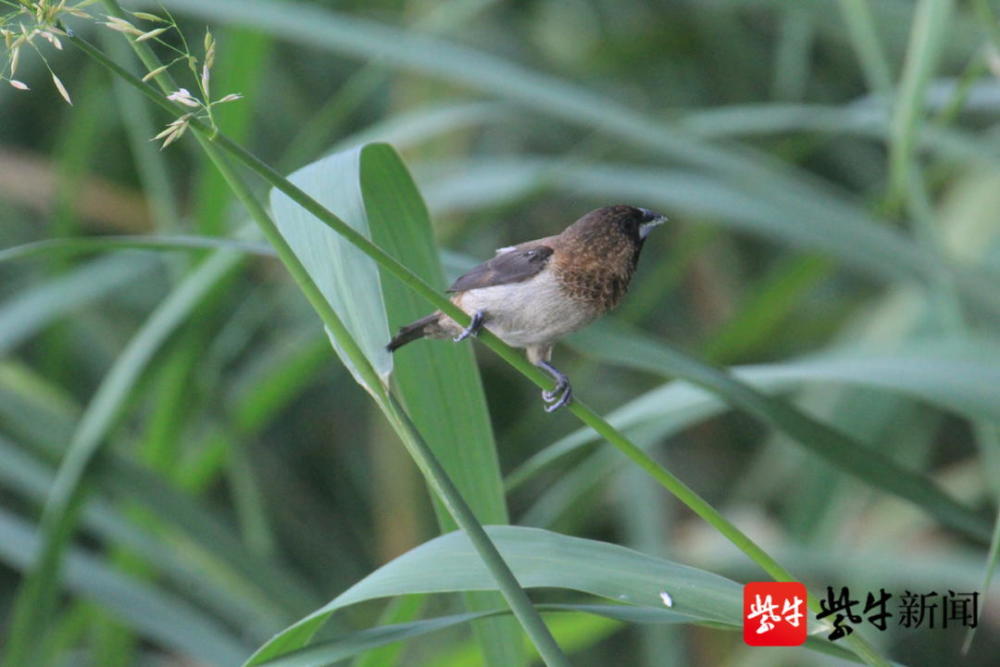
87,245
330,651
957,377
867,45
38,592
31,310
930,27
254,613
44,418
832,444
156,615
410,128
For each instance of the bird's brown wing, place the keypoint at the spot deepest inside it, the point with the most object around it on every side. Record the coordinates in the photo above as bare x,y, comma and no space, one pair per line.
511,266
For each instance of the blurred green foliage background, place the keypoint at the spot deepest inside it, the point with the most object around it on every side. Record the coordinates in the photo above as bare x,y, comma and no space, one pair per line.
832,174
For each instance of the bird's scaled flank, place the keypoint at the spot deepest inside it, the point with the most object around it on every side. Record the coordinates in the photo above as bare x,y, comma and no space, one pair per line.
536,292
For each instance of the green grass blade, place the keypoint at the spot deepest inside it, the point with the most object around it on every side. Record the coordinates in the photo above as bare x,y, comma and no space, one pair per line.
435,381
327,652
864,120
44,418
620,346
867,45
87,245
160,617
38,591
961,378
402,609
930,28
31,310
410,128
257,615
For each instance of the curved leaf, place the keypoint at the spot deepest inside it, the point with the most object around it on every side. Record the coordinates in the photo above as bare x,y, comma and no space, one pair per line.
539,559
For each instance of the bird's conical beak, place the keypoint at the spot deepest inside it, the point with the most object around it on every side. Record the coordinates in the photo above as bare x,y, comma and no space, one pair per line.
647,227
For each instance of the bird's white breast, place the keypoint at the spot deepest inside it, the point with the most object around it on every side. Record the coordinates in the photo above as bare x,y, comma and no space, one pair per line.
531,312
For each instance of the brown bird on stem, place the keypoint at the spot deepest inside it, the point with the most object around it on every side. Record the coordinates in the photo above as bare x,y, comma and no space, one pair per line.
532,294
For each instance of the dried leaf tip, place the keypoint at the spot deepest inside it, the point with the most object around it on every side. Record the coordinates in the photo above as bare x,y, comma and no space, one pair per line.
20,85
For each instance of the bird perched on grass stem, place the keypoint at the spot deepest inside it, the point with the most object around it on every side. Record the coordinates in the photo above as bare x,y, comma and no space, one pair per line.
532,294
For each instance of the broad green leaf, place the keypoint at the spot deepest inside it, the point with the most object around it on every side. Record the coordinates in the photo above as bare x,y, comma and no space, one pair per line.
348,279
539,559
438,380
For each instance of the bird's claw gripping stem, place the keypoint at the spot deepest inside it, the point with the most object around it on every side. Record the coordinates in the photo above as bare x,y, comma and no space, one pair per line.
561,394
474,326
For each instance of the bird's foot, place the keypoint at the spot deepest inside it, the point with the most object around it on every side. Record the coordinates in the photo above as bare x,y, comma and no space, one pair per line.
474,326
561,394
555,403
562,384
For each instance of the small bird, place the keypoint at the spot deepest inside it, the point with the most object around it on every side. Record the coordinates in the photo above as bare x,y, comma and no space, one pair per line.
533,293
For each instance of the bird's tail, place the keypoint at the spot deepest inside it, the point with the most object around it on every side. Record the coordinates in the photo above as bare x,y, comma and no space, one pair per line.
412,332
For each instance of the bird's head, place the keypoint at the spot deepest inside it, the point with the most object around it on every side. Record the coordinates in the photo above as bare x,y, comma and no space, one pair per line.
628,223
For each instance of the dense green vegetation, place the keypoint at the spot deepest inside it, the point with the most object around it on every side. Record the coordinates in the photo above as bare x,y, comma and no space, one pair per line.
207,455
